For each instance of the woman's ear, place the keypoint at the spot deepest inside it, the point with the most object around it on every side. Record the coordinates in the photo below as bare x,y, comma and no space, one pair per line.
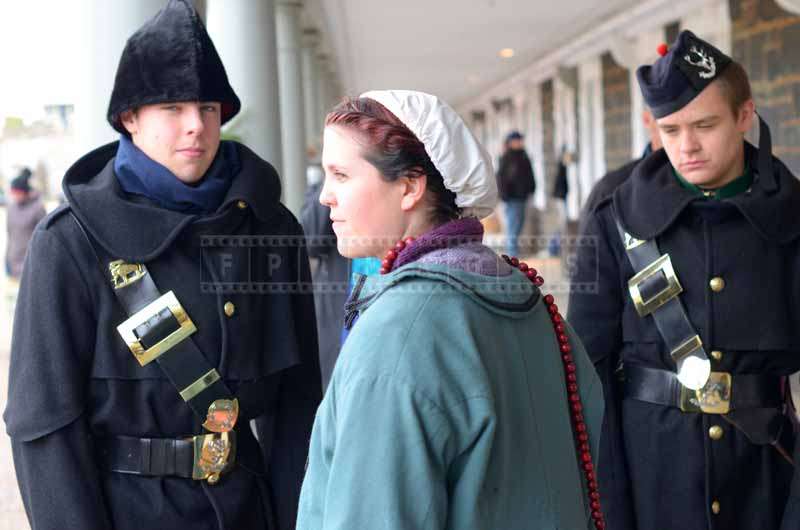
413,191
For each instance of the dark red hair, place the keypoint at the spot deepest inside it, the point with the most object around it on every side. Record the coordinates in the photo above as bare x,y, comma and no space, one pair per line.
394,150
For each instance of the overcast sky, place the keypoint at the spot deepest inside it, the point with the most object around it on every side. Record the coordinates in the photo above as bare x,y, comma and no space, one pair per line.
40,44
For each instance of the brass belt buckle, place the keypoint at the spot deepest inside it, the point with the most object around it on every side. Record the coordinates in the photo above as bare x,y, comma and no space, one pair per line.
214,454
663,265
713,398
185,328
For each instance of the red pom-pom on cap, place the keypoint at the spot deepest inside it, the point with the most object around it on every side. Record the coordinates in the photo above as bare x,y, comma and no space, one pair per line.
662,49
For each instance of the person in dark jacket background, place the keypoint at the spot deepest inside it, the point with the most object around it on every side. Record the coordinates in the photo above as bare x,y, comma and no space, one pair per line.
164,370
24,211
694,350
515,183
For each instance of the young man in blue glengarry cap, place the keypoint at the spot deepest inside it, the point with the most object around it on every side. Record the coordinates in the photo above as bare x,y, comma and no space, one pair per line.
157,379
694,325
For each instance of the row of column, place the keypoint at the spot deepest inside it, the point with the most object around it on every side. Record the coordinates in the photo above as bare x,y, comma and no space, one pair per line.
577,100
285,83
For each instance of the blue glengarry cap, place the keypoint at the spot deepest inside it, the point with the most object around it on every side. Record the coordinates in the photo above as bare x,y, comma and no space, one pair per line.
676,78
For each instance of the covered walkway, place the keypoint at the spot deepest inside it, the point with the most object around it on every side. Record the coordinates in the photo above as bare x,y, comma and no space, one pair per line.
562,73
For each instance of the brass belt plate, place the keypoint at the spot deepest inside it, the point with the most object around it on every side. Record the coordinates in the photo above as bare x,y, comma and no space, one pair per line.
663,265
214,454
203,382
713,398
185,328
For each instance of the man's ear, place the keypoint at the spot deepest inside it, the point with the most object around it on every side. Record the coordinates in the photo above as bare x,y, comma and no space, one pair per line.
747,113
129,121
413,191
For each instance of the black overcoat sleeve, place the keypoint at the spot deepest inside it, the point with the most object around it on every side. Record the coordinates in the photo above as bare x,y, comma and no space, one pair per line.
595,312
51,354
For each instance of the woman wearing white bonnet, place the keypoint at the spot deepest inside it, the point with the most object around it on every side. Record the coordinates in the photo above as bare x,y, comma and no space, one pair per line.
461,399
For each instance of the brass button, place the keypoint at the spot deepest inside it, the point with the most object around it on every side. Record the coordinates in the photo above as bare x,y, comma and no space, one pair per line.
715,432
717,284
717,355
242,205
715,507
229,309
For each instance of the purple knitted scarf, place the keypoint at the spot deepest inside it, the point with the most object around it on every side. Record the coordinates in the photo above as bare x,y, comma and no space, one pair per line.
448,235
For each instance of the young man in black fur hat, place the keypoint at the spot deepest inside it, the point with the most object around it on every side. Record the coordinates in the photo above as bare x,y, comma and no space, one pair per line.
694,325
164,369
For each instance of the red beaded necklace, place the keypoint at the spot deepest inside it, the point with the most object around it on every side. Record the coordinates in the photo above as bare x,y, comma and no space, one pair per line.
579,428
391,255
576,407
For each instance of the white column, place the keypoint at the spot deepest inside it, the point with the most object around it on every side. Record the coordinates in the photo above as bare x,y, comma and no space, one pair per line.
332,88
336,90
477,123
535,144
520,101
325,92
312,107
291,98
104,31
243,32
504,126
633,53
591,163
321,103
712,23
566,134
792,6
200,6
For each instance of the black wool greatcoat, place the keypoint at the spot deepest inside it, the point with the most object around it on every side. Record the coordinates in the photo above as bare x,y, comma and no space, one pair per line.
659,468
73,380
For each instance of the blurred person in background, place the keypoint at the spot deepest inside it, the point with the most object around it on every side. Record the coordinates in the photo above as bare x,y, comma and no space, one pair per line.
23,212
560,192
515,184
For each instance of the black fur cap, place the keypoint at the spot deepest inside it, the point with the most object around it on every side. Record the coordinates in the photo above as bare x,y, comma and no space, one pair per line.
169,59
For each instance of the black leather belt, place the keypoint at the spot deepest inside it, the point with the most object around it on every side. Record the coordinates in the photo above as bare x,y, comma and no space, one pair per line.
172,457
148,456
661,387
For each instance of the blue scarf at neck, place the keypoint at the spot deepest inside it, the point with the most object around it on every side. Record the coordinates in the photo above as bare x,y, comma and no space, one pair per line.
138,174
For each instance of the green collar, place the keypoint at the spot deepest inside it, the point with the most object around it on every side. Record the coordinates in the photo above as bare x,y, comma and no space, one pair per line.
731,189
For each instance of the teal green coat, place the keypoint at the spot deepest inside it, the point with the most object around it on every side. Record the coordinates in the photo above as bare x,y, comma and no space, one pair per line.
447,410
